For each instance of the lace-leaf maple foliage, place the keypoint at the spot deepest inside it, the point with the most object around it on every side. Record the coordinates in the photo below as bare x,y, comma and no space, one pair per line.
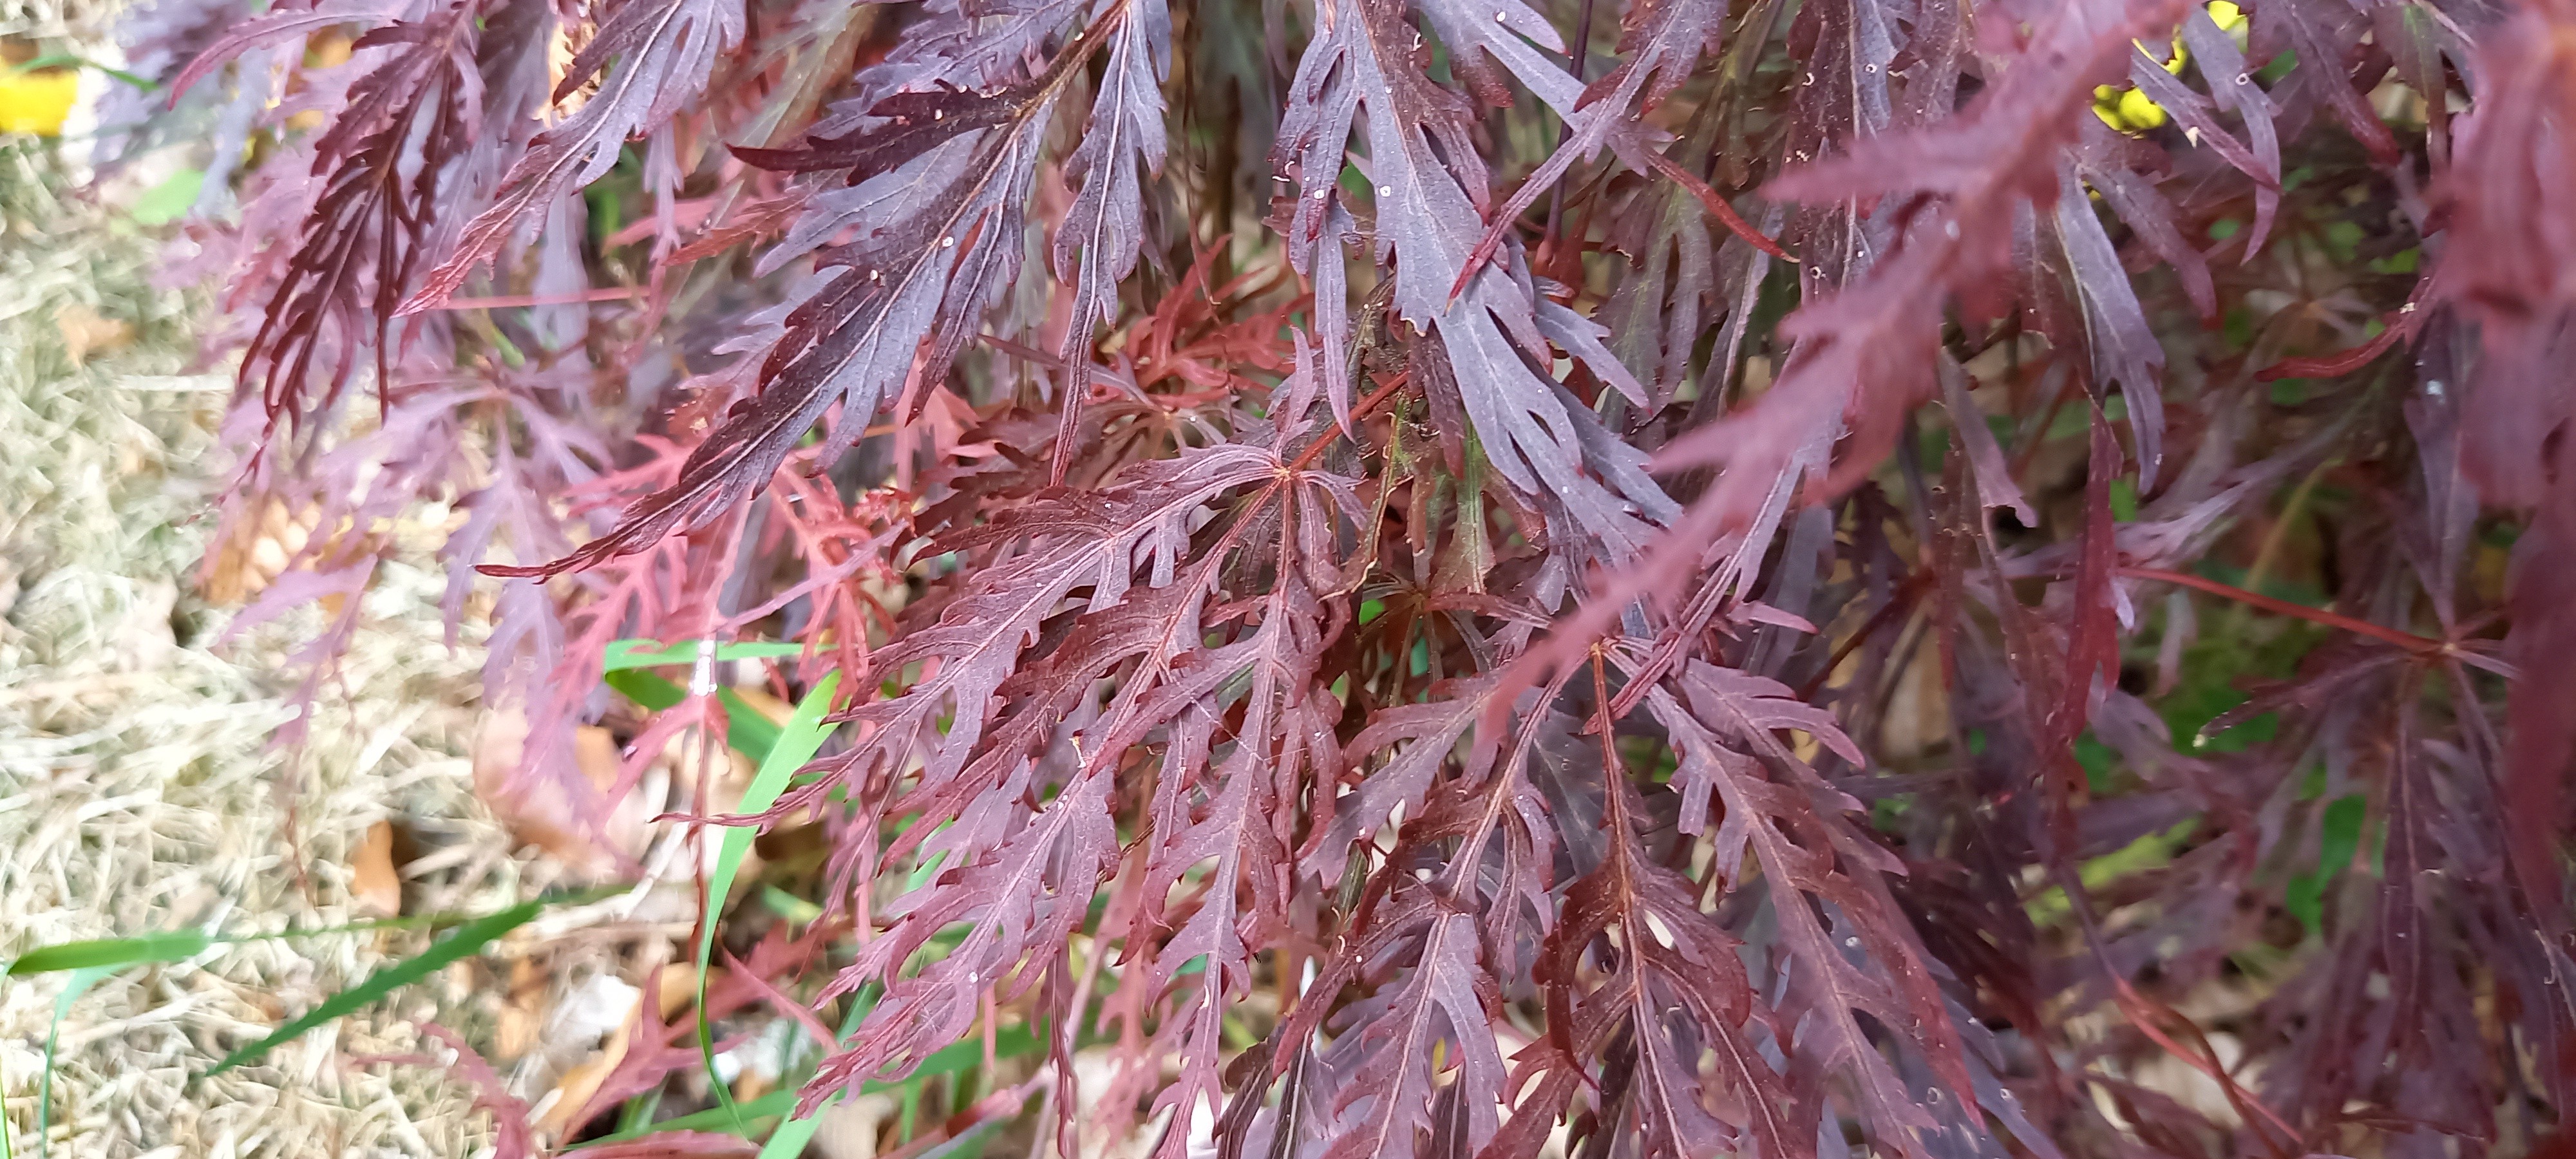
1416,577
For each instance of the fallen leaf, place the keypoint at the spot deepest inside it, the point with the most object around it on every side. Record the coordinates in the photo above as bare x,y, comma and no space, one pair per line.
539,813
523,1014
602,1006
678,988
248,561
595,750
85,332
574,1090
373,884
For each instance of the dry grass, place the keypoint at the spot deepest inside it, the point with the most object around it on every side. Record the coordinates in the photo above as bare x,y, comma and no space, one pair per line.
138,789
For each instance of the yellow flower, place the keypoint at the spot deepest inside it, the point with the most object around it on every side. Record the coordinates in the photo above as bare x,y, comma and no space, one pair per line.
2126,109
2140,111
36,102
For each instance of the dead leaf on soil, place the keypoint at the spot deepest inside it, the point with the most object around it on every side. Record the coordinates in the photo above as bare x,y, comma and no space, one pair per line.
540,814
373,884
677,989
85,332
523,1015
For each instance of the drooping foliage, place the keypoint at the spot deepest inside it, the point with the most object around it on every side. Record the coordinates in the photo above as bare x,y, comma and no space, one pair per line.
1950,577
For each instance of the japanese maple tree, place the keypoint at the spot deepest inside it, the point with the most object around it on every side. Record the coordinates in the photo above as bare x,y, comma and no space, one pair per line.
1499,577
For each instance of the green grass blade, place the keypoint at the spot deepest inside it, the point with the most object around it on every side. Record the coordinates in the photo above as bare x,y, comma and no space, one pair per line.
789,1140
115,953
750,733
785,905
747,731
795,1135
83,977
181,945
60,60
461,942
768,1106
625,654
646,689
797,742
794,744
791,1137
2338,838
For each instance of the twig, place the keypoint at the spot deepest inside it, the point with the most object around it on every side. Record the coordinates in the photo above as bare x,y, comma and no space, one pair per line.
506,301
2425,645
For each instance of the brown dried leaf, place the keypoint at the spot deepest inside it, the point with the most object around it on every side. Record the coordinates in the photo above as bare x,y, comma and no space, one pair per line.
86,332
538,815
373,884
523,1016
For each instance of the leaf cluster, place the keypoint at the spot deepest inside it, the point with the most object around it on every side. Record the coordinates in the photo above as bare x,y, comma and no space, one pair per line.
1392,577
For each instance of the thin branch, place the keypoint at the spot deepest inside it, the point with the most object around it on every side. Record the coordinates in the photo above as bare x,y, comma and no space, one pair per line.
2425,645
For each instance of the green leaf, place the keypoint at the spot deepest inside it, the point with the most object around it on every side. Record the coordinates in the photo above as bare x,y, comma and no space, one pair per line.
459,943
2403,261
170,200
2124,501
113,953
2338,837
625,654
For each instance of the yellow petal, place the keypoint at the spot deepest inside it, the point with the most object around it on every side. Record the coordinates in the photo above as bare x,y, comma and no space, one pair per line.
2172,64
37,102
2140,111
2227,15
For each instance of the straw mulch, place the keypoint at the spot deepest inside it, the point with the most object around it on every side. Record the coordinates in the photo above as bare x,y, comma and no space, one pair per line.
139,790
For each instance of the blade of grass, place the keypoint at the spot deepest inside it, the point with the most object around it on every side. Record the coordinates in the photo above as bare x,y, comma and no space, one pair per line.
96,959
971,1137
792,1135
789,1140
788,905
637,1115
90,962
748,732
113,953
83,977
181,945
459,943
793,745
626,654
2338,837
62,60
769,1106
